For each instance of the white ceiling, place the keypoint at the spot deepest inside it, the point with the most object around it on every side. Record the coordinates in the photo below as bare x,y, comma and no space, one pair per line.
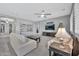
27,10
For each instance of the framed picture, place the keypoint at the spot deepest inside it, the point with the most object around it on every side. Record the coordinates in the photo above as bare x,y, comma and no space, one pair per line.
26,28
29,28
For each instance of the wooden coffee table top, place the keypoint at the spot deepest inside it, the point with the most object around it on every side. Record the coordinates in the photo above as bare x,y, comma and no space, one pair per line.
33,36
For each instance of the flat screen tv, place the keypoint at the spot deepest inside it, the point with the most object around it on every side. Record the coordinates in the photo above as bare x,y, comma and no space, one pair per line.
50,27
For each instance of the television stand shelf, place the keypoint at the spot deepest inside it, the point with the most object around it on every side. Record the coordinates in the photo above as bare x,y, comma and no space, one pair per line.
52,34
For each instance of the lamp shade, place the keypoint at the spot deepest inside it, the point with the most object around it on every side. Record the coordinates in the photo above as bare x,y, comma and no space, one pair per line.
62,32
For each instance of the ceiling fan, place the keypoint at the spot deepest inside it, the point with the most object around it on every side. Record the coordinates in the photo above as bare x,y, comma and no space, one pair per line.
43,14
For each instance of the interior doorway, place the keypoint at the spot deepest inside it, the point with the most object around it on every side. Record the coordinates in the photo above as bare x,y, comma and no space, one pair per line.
10,28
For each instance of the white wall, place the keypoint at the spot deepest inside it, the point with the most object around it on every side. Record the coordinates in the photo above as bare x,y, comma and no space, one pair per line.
64,19
22,21
41,25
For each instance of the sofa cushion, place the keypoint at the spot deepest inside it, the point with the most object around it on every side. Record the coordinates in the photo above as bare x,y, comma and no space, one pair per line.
22,39
18,39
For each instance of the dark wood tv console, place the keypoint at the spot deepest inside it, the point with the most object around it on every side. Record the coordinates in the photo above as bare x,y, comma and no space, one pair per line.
52,34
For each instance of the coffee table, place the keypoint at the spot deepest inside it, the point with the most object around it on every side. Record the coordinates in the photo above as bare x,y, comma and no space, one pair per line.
36,38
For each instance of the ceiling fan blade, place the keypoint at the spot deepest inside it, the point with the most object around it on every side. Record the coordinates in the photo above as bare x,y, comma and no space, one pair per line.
37,14
48,14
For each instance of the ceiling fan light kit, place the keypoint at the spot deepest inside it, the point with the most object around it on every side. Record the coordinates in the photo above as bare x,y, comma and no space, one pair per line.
43,14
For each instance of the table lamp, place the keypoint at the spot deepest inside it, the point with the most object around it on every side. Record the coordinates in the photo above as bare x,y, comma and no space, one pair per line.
62,34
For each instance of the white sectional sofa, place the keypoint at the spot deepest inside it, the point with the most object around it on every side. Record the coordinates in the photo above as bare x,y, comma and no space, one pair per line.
21,44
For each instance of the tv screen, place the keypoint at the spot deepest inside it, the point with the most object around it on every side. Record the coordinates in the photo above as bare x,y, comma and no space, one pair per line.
50,27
